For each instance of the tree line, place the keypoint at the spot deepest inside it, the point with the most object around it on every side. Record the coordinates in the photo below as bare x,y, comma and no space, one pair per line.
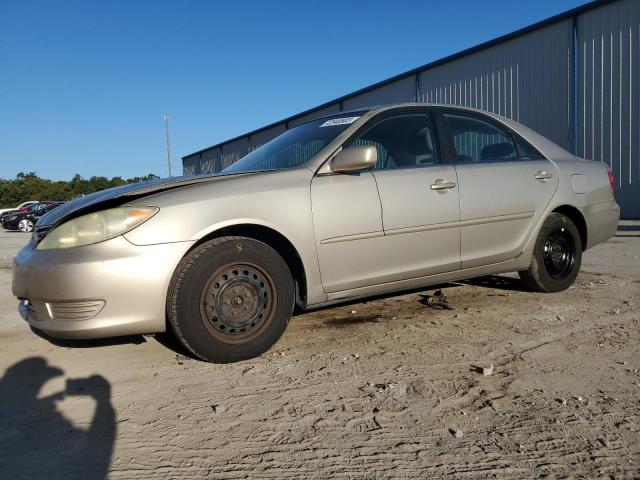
28,186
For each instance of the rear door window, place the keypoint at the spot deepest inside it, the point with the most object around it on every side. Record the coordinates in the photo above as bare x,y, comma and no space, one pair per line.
526,151
477,139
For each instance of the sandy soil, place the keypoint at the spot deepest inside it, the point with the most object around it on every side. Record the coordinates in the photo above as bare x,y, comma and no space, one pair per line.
390,388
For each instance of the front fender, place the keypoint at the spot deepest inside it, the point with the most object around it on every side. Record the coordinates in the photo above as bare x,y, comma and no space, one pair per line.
280,201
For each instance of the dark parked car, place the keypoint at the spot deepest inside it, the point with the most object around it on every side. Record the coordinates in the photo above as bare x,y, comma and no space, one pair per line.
25,220
22,206
4,213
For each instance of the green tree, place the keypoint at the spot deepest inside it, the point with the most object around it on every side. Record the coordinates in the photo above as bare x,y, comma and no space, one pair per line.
28,186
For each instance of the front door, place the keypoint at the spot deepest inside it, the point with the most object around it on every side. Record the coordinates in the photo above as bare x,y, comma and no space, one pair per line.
347,218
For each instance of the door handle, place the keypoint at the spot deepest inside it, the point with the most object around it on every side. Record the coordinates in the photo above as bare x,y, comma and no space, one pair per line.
541,175
442,185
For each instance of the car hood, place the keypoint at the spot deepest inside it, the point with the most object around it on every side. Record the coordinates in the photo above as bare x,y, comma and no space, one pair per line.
115,196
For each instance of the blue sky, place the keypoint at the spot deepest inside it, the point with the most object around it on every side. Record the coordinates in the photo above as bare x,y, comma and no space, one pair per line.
84,83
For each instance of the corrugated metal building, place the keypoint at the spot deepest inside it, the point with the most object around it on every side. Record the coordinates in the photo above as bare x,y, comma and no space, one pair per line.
573,78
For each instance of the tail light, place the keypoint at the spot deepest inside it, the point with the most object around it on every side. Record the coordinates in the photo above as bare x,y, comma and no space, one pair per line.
612,179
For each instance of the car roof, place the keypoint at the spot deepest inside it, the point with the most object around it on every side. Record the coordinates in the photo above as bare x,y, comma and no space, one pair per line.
374,109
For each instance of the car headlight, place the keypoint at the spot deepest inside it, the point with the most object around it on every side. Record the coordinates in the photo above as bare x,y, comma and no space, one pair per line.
96,227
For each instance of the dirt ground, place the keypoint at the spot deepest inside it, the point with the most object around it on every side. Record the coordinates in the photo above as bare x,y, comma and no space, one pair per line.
390,388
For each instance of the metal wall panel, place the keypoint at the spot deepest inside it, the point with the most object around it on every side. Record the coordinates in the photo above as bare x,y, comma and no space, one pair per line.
608,107
234,151
320,112
525,78
403,90
260,138
191,164
210,161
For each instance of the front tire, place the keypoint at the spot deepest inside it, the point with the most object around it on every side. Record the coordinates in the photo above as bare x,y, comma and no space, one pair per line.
557,256
230,299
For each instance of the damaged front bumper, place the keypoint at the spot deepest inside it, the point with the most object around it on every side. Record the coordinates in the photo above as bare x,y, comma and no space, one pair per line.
108,289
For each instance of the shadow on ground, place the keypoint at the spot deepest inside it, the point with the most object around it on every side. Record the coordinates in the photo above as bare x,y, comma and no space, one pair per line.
165,338
353,320
436,302
36,441
498,282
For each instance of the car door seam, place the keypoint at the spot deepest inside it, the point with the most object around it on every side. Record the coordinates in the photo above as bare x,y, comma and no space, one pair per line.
315,236
380,201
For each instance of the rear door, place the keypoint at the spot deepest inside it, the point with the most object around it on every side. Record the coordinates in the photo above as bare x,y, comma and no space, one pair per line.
505,186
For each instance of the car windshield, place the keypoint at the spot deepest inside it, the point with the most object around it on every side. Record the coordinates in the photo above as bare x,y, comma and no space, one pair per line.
294,147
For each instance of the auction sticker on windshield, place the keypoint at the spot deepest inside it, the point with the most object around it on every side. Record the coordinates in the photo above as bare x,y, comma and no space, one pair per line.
339,121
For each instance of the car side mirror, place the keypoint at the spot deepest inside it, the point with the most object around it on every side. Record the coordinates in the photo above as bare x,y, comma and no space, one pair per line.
354,158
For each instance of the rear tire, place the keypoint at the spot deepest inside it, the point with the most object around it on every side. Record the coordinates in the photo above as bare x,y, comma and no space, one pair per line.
230,299
557,256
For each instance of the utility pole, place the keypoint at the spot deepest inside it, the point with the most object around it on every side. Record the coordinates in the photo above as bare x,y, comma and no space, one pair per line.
166,127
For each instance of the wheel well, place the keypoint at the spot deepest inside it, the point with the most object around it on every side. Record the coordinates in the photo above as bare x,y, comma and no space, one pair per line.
578,219
279,243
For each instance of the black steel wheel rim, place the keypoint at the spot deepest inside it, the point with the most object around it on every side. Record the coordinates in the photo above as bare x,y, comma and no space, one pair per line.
559,253
237,302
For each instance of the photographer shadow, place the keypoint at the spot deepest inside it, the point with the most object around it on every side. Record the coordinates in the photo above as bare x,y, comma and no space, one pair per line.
37,441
